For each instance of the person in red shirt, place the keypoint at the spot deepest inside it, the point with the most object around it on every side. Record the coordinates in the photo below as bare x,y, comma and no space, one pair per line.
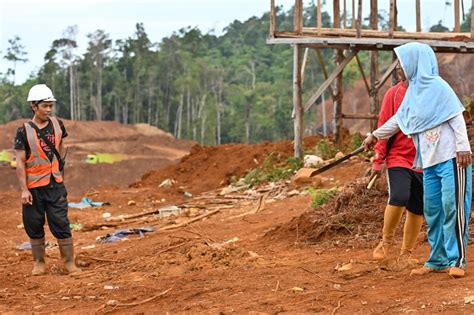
405,185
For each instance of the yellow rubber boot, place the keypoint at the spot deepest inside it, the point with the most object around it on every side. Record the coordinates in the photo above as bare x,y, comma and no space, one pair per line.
392,217
411,230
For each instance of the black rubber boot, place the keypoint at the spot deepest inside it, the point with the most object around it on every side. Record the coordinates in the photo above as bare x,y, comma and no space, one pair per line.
37,249
66,248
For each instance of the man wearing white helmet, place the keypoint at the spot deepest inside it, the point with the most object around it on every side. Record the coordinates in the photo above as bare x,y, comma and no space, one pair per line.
39,154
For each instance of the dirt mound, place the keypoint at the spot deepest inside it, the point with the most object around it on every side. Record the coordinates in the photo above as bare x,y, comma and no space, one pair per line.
209,167
145,148
355,212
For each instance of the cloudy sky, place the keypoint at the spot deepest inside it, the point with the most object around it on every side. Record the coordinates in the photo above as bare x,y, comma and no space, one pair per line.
39,22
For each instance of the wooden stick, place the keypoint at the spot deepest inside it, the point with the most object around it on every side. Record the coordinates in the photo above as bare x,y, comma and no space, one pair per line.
472,19
297,103
319,17
272,18
303,65
144,301
418,18
323,67
457,27
363,74
329,80
131,216
353,25
359,19
386,75
392,24
298,16
170,248
176,226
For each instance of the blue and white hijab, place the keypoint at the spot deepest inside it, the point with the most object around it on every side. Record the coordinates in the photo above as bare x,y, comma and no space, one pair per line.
429,100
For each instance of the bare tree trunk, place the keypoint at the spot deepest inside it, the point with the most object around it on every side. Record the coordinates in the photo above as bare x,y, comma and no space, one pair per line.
188,113
99,89
179,114
203,127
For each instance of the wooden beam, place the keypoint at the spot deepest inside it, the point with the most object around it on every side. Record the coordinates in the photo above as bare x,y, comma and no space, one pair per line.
272,18
297,103
303,65
418,18
319,16
363,74
457,26
338,98
360,116
371,43
323,67
311,31
393,23
298,17
329,80
374,61
472,19
359,19
386,75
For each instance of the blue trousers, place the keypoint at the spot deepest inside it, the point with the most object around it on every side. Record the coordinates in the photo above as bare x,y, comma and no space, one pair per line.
447,209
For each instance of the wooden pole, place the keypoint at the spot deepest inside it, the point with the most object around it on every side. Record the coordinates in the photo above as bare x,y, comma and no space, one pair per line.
303,65
418,18
297,105
272,18
363,74
359,18
319,17
353,15
472,19
338,89
394,18
393,25
345,14
298,17
323,67
457,27
373,64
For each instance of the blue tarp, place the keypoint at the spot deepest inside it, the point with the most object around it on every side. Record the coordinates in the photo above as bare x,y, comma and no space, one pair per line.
87,203
120,234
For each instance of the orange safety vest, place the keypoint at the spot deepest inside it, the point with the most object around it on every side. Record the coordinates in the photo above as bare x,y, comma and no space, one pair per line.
38,167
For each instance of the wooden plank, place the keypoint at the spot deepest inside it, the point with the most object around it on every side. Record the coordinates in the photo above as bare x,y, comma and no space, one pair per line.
359,19
323,67
457,26
297,102
311,31
386,75
372,43
303,65
392,21
272,18
329,80
359,116
363,74
418,17
298,17
472,19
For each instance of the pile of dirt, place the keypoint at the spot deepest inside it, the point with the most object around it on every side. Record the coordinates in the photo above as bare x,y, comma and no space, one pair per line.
209,167
355,212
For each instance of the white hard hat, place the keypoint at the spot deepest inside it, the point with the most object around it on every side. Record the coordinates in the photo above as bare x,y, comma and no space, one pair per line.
40,92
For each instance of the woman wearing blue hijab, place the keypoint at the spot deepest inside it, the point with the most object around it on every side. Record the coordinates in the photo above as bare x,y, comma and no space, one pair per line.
431,114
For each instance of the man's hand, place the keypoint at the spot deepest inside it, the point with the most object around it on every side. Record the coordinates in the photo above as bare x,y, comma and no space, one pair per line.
370,141
26,197
463,158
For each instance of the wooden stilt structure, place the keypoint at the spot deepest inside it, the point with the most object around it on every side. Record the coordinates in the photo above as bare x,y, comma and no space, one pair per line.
347,42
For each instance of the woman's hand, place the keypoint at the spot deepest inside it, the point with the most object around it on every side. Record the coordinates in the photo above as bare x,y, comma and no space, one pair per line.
463,158
369,142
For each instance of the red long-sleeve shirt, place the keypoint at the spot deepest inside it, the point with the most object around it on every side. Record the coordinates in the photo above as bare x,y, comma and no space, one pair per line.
402,151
